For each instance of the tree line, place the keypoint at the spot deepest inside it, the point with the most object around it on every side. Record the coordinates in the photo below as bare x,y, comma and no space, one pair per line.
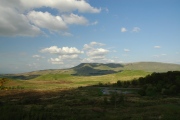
155,84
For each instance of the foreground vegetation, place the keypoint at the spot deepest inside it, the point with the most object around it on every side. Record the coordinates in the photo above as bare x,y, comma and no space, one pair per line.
155,84
85,103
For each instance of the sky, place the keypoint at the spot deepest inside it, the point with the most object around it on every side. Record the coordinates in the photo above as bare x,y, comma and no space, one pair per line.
58,34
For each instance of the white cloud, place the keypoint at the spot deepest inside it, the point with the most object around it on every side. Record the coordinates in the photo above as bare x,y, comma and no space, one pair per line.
123,29
19,18
46,20
99,59
157,47
87,47
96,43
55,61
92,45
75,56
61,5
126,50
13,23
75,19
136,29
63,59
61,51
65,55
97,52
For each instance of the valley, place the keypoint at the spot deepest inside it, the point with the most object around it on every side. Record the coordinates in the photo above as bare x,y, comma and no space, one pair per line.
93,91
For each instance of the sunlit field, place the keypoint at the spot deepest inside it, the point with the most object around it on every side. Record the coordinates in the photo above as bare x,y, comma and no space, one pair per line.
64,81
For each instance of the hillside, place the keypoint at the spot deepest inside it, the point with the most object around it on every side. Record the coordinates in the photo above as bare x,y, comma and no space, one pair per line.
152,66
94,69
145,66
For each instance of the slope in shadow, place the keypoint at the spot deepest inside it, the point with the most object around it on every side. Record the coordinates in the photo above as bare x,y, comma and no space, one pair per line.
89,71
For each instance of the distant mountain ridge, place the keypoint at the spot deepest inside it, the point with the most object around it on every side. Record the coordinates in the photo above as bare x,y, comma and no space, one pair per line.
109,68
88,69
146,66
111,65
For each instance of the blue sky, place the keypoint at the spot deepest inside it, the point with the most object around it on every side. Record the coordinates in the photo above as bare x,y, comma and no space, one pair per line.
56,34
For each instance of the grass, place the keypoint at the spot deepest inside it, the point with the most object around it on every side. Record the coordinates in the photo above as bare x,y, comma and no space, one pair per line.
152,66
62,81
53,77
131,74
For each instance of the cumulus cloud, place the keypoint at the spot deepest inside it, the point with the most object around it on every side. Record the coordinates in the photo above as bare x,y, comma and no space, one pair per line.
97,59
61,5
61,51
136,29
96,54
46,20
64,54
13,23
55,61
157,47
75,19
64,58
96,43
19,18
123,29
92,53
92,45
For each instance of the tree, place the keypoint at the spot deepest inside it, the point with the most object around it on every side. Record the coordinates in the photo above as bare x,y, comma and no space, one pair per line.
119,83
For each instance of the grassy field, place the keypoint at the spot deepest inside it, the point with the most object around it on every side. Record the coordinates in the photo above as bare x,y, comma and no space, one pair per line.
62,80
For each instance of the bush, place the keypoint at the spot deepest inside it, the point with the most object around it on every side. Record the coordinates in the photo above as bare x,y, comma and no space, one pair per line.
142,92
151,90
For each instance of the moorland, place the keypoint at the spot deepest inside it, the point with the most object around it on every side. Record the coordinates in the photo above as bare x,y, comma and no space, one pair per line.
144,90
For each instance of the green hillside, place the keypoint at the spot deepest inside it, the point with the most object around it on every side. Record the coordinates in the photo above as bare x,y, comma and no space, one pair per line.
99,68
152,66
94,69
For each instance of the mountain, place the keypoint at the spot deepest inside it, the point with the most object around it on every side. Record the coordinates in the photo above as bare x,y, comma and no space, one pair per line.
90,71
101,69
94,69
100,65
145,66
